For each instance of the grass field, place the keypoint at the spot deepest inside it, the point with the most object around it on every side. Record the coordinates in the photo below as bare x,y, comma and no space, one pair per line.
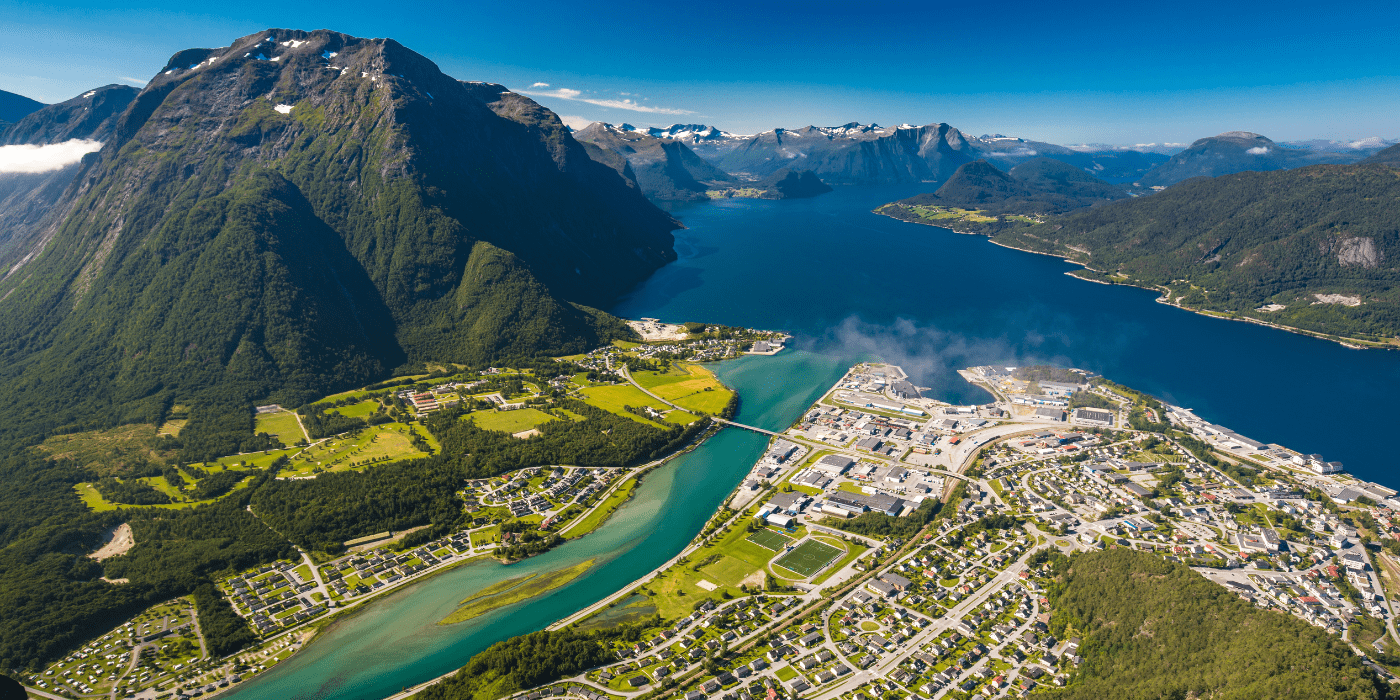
853,550
109,451
769,540
363,409
283,425
522,588
510,421
808,557
378,445
688,386
614,397
600,514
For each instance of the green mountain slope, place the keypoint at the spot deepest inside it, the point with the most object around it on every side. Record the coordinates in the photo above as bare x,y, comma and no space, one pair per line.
26,198
261,228
1152,629
1312,248
1037,186
1234,152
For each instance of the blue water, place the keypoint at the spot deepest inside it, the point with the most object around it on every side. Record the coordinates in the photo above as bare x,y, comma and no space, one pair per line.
852,286
851,283
396,642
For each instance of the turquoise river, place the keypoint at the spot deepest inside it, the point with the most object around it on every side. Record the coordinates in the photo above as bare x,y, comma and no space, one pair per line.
851,285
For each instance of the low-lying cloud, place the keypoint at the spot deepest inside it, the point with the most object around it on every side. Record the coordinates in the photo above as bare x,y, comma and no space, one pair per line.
1258,151
41,159
577,96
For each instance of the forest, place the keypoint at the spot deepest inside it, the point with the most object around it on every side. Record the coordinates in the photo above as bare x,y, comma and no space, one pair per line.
1151,629
530,660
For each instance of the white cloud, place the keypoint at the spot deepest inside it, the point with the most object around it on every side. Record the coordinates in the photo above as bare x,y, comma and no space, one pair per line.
575,123
41,159
577,96
540,85
133,81
1258,150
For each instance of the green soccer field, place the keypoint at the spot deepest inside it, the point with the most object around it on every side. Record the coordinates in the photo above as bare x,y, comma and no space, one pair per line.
809,557
769,540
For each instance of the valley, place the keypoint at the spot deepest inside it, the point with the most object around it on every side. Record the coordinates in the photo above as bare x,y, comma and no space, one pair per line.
325,373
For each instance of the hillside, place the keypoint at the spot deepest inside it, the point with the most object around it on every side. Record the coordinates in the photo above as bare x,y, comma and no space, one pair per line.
1234,152
1313,248
270,230
16,107
792,184
1153,629
1038,186
665,169
1389,156
25,197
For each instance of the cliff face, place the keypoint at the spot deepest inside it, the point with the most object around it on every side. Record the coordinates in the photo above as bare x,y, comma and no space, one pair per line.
26,197
665,169
301,211
854,153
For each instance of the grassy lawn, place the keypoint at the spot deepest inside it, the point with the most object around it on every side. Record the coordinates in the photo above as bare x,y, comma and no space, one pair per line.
808,557
377,445
785,673
510,421
855,550
681,418
687,385
676,591
363,409
94,500
614,398
283,425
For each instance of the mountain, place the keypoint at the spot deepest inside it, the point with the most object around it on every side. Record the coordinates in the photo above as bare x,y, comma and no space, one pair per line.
664,168
1389,156
16,107
1313,248
792,184
25,197
707,141
1117,165
854,153
1040,185
303,211
1234,152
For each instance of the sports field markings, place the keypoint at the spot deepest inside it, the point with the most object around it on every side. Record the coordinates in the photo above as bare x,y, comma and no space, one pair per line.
768,539
808,558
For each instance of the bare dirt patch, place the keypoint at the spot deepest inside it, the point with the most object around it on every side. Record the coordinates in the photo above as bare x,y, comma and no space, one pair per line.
1342,299
118,541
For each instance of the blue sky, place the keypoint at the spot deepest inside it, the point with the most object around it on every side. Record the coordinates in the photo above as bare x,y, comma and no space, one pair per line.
1062,72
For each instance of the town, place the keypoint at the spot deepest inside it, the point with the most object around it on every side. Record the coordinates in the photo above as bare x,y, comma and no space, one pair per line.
789,591
785,594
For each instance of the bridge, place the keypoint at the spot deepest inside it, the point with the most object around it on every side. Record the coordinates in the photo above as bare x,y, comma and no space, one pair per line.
785,436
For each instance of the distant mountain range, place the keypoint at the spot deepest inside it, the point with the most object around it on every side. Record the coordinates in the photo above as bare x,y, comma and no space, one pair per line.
1312,248
665,168
1238,151
16,107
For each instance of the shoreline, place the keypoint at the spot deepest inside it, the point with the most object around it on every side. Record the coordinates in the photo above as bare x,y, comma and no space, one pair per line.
1350,343
320,625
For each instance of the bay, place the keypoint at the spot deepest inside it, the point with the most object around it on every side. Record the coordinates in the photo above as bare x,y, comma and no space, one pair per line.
852,285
